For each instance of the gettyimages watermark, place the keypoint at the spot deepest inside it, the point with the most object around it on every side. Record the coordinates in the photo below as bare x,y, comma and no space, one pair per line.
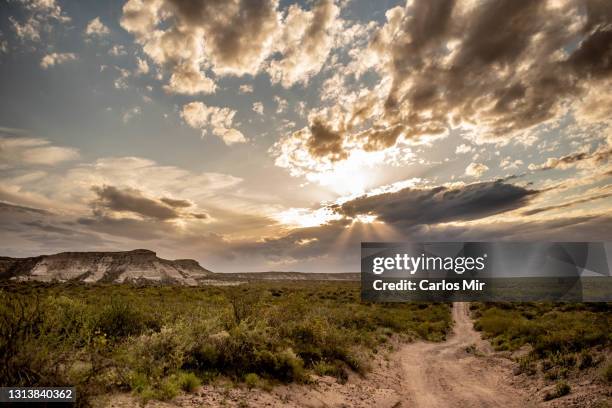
486,271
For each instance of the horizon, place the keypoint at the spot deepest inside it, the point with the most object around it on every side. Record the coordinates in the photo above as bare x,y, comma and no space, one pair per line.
278,136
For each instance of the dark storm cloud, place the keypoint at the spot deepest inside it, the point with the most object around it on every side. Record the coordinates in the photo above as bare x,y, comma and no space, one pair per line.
130,200
6,207
176,203
133,201
566,205
412,206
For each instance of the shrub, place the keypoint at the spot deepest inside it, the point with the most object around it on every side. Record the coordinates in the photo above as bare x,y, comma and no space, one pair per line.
323,368
167,389
188,382
556,373
586,360
557,330
243,302
118,319
527,365
606,373
562,388
251,380
157,354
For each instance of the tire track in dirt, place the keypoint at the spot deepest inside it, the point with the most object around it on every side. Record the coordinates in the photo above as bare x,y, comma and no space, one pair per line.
446,375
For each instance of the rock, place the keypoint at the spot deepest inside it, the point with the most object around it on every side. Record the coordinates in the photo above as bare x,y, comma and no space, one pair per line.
137,266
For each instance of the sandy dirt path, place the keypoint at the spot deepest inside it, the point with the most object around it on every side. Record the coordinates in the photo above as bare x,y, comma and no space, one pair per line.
447,375
460,372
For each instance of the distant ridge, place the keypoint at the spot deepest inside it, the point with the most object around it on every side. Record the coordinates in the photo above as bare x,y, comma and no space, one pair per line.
296,276
138,266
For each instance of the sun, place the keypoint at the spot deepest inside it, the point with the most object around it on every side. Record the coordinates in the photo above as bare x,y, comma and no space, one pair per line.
346,178
305,217
365,218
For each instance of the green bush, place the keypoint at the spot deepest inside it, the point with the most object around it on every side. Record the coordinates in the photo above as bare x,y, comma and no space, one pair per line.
549,329
564,337
188,382
562,388
251,380
157,354
119,319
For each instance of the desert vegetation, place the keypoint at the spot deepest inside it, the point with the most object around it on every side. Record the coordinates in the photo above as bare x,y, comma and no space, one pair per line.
157,341
559,341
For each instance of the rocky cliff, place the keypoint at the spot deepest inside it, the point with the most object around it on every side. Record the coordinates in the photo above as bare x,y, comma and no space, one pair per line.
140,265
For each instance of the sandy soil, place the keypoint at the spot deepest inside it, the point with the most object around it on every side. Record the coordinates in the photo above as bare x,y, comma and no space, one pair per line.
460,372
448,375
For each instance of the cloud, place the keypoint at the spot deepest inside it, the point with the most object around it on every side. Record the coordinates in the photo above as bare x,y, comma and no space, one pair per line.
258,108
19,151
28,30
55,58
40,17
95,28
463,148
112,201
229,37
121,82
7,207
67,188
220,120
188,79
246,88
172,202
281,104
568,204
131,113
496,71
585,160
596,104
133,201
318,248
305,44
142,66
476,169
117,50
413,206
196,40
320,154
4,47
507,163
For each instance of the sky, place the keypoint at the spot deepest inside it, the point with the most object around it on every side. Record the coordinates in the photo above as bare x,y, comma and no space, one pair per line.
256,135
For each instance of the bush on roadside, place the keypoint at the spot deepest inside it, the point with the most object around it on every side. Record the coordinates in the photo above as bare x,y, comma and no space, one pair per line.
562,388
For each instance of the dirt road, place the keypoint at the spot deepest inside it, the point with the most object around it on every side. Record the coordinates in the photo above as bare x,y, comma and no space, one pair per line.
447,375
460,372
